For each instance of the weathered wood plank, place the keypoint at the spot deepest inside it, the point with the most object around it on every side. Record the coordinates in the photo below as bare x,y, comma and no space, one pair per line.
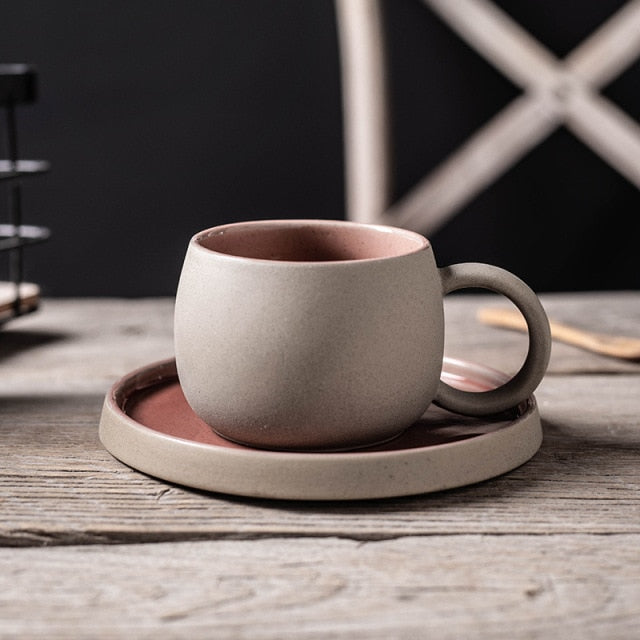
547,550
617,313
83,346
469,586
59,486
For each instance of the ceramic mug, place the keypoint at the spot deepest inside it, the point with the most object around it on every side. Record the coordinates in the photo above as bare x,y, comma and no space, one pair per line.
326,335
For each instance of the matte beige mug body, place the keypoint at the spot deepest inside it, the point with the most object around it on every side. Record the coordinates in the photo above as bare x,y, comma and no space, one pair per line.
326,335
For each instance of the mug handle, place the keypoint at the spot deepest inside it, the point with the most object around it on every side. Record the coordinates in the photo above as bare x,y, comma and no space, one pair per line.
522,385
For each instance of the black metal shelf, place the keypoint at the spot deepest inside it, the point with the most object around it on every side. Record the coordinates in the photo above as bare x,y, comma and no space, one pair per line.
12,237
17,86
22,169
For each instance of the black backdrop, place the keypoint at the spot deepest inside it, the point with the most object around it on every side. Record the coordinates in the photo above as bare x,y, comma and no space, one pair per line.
164,117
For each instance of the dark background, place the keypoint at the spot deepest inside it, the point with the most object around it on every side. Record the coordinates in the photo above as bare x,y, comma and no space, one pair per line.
162,117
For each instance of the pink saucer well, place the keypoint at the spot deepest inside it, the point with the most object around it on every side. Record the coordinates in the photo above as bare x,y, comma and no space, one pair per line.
147,424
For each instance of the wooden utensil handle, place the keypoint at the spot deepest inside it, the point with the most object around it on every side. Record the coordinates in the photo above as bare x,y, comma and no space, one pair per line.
501,317
609,345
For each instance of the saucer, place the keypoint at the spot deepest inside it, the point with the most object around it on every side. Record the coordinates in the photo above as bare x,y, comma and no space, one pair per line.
147,424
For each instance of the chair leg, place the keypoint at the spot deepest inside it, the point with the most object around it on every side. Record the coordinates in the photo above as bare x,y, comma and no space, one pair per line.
365,109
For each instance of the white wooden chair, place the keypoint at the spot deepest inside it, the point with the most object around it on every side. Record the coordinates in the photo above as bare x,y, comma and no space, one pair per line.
554,92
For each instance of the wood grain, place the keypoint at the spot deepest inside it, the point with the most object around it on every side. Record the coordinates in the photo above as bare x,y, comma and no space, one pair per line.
613,313
83,346
59,486
100,550
437,586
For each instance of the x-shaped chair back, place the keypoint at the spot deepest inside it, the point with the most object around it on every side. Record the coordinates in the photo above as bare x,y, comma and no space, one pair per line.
555,92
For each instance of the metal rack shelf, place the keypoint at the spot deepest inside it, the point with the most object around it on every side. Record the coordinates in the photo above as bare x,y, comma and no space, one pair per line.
12,237
17,86
22,169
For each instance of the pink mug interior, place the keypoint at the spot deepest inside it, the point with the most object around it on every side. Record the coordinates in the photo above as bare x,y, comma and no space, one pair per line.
310,241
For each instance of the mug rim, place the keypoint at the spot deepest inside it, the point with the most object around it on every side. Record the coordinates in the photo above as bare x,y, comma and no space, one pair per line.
415,242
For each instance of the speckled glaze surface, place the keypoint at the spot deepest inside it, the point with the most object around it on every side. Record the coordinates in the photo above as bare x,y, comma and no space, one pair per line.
326,334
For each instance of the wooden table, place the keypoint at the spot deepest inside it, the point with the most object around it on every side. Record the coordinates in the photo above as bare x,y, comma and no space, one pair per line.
91,548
